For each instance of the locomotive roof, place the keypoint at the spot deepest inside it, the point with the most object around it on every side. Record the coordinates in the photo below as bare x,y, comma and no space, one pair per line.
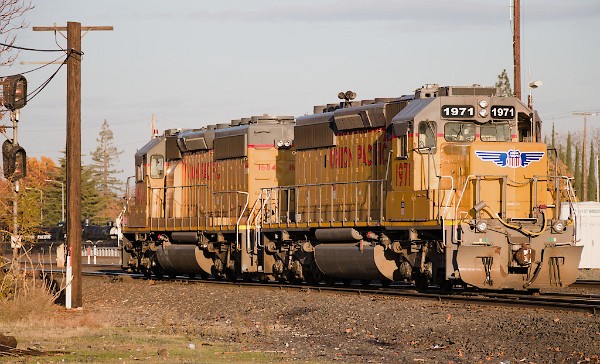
139,155
412,109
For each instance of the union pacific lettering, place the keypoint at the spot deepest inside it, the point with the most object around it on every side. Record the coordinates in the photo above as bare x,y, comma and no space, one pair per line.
366,155
203,171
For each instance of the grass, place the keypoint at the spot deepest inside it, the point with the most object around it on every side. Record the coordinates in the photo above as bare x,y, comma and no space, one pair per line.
28,312
95,344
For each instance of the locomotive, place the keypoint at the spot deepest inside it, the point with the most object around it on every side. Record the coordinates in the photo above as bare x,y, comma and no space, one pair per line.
451,185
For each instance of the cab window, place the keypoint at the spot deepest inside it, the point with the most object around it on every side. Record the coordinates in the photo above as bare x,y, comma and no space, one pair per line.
427,136
157,164
459,132
495,132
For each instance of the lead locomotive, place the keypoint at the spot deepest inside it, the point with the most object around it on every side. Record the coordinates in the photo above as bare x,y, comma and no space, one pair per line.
451,185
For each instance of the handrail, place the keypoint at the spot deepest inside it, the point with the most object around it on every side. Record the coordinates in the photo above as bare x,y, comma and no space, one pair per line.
447,205
343,197
542,178
158,200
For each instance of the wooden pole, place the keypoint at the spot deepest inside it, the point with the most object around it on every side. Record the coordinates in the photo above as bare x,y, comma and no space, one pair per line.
74,148
74,156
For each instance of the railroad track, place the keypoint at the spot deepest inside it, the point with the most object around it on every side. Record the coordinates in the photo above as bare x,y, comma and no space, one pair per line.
588,303
586,283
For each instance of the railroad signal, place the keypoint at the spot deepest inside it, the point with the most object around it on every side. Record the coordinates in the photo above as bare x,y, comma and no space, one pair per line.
14,92
14,161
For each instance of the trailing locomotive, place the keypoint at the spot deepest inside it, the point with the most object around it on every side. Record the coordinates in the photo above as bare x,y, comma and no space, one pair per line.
451,185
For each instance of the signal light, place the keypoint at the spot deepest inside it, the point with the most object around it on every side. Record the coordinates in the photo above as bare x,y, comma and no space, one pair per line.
14,92
14,161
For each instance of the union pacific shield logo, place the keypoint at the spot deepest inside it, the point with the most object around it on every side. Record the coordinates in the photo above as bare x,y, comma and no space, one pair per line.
512,158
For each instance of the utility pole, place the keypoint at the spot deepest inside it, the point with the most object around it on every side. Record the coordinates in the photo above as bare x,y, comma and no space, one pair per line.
584,170
74,148
16,237
517,46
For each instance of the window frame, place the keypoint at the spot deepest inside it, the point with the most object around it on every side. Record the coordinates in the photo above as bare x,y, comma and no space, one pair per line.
495,125
429,125
471,126
154,171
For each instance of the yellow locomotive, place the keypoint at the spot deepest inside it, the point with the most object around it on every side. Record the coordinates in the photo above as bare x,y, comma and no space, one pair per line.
451,185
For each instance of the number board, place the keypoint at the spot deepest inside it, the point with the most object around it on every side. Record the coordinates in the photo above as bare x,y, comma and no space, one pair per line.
502,112
458,111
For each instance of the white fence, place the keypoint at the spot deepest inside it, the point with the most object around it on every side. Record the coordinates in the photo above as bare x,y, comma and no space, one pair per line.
93,252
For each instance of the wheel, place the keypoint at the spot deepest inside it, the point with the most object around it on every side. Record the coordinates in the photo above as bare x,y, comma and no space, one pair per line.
421,282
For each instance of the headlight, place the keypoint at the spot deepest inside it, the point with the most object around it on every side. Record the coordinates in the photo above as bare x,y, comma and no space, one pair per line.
287,143
481,226
483,113
483,103
280,143
558,226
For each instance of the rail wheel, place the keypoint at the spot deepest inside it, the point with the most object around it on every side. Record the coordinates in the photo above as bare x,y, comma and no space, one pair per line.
422,282
313,275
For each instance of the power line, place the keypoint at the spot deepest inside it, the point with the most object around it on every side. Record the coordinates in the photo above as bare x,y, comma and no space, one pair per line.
30,49
37,91
38,68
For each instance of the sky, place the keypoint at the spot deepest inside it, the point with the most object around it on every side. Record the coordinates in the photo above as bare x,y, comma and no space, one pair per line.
192,63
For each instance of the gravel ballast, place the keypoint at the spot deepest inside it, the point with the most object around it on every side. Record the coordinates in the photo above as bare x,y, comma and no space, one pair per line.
311,326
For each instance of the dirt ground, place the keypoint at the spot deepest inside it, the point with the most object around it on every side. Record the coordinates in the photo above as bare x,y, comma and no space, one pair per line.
308,326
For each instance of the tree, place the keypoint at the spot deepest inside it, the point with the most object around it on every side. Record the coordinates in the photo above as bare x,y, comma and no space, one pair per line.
103,169
503,88
30,199
591,178
90,198
577,185
569,156
12,18
103,164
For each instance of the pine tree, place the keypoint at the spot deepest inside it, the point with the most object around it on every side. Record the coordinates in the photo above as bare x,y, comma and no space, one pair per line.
553,137
591,178
103,164
503,88
561,159
90,198
577,185
569,156
103,169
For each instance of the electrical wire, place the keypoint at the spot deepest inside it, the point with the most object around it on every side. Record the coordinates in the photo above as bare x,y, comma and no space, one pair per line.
38,68
37,91
30,49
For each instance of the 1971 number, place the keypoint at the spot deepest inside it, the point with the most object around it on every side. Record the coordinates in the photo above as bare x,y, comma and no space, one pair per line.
503,112
458,111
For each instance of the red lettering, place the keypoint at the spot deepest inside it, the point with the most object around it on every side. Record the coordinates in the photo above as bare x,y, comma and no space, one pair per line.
403,174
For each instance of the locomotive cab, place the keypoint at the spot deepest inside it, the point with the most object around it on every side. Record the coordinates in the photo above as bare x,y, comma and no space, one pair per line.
482,173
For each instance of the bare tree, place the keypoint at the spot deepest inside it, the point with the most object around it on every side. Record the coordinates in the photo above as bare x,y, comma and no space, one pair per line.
11,19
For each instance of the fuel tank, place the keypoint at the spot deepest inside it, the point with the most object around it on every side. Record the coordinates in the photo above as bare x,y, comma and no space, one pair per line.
180,258
356,260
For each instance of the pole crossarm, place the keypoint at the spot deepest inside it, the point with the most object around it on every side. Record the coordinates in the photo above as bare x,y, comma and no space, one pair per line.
85,29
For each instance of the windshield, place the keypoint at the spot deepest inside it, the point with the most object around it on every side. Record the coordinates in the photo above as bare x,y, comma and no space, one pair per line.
459,132
495,132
